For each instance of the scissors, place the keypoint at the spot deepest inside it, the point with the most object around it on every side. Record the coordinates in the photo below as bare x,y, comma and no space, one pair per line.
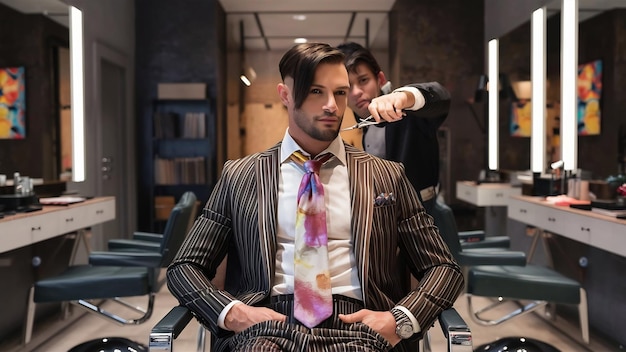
368,121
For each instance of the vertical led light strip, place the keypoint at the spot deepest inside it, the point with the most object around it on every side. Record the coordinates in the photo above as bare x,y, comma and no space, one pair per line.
538,95
78,95
569,76
494,87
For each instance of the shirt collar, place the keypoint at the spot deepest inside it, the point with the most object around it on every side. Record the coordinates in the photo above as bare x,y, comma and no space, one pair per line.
289,146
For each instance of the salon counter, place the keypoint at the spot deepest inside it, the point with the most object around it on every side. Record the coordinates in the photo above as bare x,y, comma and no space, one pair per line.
596,230
24,229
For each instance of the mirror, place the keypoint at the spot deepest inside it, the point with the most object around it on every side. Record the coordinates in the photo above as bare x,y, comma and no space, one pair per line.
593,104
514,111
47,117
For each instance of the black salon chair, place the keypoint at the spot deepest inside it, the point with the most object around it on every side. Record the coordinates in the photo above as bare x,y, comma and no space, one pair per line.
534,285
163,334
477,239
489,275
144,241
444,217
111,275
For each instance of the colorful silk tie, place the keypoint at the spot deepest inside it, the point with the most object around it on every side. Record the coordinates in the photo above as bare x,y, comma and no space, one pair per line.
313,301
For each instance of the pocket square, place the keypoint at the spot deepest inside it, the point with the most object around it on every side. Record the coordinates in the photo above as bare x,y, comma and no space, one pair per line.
385,199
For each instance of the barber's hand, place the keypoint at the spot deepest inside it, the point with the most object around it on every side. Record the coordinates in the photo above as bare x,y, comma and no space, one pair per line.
382,322
389,107
242,316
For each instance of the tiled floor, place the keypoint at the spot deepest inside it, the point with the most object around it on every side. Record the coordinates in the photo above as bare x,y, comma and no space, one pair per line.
90,326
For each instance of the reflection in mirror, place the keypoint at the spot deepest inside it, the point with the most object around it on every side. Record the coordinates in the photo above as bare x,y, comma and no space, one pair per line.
48,88
494,74
538,86
78,101
569,76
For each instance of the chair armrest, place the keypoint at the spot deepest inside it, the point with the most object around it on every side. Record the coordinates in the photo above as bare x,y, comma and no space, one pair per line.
147,236
488,242
140,245
491,256
168,328
456,331
471,236
145,259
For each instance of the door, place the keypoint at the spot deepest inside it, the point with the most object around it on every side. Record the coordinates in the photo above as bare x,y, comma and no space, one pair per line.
115,152
112,165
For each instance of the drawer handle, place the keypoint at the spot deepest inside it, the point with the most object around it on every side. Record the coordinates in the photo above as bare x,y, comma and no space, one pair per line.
522,210
38,228
69,219
500,195
551,219
585,229
99,211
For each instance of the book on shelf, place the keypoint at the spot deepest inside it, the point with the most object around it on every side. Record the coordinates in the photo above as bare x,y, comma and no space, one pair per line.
194,125
613,213
166,125
180,171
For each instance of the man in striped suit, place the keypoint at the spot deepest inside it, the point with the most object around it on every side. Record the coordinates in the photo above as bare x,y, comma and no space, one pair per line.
378,233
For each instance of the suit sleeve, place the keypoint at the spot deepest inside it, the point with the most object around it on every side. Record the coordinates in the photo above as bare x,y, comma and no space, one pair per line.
437,102
428,257
206,245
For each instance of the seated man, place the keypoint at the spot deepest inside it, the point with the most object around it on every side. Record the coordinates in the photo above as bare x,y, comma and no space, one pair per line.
319,250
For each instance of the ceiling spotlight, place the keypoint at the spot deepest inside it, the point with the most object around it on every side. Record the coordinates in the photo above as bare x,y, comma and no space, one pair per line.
299,17
248,76
300,40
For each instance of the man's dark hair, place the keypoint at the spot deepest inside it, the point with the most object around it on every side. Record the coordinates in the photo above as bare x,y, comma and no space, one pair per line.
357,54
300,63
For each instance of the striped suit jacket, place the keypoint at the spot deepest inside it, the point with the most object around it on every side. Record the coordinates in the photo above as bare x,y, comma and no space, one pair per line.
240,219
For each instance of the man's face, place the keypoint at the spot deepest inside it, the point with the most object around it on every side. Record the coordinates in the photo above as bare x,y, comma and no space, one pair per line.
364,86
319,118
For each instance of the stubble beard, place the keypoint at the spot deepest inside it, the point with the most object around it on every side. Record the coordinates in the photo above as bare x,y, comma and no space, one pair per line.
325,135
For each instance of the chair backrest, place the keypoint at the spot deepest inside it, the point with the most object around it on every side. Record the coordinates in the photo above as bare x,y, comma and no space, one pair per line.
444,218
177,227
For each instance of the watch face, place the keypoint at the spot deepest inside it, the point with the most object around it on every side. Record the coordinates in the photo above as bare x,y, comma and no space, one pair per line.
404,331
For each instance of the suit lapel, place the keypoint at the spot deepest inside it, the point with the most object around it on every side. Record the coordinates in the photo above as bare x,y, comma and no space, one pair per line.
267,170
362,205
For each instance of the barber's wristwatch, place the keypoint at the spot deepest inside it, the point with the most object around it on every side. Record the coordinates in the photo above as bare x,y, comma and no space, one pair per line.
404,326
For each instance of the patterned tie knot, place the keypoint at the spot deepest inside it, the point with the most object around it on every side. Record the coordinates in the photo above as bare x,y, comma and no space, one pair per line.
312,166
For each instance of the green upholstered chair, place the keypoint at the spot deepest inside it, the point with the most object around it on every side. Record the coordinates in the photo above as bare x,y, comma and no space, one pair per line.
478,239
144,241
488,275
112,275
535,285
444,217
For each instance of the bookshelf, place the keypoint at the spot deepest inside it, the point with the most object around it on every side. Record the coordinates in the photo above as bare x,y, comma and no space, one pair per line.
183,152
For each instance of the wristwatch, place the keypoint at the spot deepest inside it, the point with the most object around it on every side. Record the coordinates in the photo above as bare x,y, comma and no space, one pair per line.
404,326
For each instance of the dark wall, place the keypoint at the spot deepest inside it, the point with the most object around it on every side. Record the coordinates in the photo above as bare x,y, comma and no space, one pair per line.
443,41
515,64
174,43
29,41
603,37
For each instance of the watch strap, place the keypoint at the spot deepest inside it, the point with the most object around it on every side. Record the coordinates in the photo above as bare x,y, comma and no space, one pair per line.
402,318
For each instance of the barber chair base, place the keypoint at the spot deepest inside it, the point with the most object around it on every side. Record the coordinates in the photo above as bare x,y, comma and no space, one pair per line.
109,344
79,284
535,284
516,344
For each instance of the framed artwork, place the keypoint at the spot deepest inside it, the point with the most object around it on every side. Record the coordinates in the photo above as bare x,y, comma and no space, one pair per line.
521,119
12,103
589,94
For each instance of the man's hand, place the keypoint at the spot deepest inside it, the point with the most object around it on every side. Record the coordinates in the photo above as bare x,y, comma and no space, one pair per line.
389,107
242,316
382,322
